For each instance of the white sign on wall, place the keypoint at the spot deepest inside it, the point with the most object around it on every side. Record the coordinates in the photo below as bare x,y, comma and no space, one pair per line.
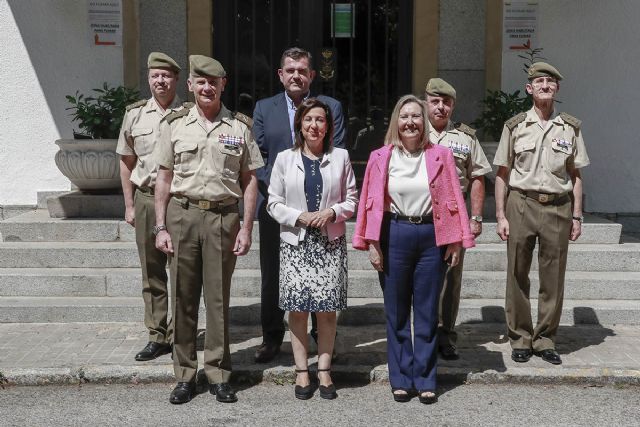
519,26
105,22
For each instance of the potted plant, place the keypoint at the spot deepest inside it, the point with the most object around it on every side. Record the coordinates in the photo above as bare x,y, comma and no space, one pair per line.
89,160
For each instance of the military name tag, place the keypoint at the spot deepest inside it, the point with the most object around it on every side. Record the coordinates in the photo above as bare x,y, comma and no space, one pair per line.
231,142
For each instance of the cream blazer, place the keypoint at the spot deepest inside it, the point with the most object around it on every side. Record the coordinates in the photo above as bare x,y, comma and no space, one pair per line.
287,198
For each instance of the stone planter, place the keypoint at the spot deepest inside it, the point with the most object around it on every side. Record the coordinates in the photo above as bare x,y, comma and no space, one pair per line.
92,165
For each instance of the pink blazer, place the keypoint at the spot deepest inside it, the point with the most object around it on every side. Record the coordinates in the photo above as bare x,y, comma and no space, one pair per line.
449,211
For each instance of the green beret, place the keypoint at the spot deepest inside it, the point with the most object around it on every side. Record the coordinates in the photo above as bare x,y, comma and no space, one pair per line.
541,69
162,60
438,87
204,66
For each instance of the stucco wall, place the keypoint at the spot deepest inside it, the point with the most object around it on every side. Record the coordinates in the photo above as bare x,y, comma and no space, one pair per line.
45,54
594,44
461,54
163,26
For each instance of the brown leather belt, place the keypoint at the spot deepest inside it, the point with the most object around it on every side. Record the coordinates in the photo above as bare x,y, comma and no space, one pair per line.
544,198
207,205
146,190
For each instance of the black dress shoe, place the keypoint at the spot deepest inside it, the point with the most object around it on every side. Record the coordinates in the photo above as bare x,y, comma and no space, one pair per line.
266,352
429,398
224,392
549,355
182,393
449,352
401,397
521,355
153,350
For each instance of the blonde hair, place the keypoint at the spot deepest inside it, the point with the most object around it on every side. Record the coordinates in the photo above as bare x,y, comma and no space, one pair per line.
393,135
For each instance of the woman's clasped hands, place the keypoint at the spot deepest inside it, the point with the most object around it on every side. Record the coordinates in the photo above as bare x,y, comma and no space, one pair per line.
316,219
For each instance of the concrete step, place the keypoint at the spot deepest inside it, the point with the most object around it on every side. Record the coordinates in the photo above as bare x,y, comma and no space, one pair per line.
485,257
37,226
246,311
125,282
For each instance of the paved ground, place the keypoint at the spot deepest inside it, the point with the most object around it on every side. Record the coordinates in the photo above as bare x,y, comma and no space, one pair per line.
269,404
33,354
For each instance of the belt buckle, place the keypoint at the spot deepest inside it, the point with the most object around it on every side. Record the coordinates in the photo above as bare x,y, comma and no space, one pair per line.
543,198
415,219
204,204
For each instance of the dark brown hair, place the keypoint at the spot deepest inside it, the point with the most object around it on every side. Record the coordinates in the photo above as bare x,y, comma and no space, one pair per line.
303,109
296,54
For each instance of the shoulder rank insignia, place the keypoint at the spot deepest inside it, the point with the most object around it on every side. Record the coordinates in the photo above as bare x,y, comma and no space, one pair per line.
571,120
176,114
188,105
466,129
243,118
136,104
515,120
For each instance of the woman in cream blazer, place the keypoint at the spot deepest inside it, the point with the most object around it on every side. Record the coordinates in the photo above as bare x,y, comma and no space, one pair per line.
312,192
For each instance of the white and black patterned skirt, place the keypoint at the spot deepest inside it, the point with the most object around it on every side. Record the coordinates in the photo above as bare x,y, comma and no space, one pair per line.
313,275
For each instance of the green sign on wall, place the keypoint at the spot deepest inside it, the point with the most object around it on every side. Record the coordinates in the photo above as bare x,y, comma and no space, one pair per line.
343,20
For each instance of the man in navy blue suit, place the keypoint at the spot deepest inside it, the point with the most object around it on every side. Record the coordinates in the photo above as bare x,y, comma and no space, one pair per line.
273,131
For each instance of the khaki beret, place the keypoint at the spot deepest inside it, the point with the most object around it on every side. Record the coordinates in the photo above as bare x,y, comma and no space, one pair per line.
541,69
201,65
162,60
438,87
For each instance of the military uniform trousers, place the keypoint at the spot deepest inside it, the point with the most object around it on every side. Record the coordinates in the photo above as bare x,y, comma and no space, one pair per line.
450,303
202,262
413,270
549,224
154,274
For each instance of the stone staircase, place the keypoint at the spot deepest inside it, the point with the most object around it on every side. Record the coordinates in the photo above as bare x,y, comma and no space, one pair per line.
86,270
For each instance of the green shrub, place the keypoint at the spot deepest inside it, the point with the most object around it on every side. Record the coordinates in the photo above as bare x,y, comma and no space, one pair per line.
100,116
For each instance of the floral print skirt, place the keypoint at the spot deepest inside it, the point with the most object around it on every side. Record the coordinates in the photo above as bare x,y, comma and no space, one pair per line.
313,275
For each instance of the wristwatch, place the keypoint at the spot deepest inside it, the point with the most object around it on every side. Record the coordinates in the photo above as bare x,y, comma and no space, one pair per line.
476,218
158,228
579,218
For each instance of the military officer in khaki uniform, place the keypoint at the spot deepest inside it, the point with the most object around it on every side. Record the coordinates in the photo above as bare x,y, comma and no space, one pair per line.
138,175
472,165
539,157
207,157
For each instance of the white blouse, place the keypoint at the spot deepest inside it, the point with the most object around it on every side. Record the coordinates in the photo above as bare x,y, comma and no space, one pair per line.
408,184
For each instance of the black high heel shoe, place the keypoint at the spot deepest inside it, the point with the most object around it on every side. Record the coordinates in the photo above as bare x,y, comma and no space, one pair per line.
428,399
327,392
401,397
306,392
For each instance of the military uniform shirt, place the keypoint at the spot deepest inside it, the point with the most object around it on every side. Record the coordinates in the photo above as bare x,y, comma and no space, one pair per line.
140,131
471,162
538,157
207,163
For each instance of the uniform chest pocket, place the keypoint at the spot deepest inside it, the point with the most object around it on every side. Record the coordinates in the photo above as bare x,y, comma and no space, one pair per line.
142,140
231,155
558,156
186,155
524,153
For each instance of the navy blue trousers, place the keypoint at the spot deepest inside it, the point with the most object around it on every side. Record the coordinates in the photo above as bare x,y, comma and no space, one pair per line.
413,272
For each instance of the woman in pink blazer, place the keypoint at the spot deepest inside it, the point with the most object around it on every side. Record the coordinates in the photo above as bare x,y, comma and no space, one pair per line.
412,219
